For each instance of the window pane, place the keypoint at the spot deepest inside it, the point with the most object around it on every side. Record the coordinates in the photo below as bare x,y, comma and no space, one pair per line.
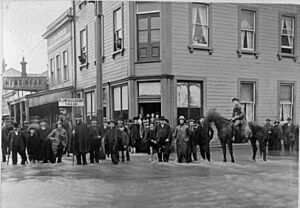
149,88
247,39
200,34
195,98
117,99
124,98
155,51
287,25
182,95
118,19
285,111
83,39
249,111
155,22
287,41
88,103
286,92
199,14
247,92
148,7
143,24
143,36
104,95
247,20
143,53
93,110
155,36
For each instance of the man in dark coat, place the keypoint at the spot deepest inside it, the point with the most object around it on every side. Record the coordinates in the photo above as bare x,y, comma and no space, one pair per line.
237,119
16,140
80,140
67,125
289,135
46,153
193,140
268,128
134,136
94,140
4,142
163,139
204,139
33,145
114,139
276,136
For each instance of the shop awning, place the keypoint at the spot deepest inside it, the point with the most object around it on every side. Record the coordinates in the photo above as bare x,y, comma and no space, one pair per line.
50,96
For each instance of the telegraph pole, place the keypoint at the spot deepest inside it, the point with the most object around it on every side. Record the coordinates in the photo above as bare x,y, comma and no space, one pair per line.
75,60
99,74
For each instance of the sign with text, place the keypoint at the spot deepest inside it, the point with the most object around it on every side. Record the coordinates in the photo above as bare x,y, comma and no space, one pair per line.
25,83
69,102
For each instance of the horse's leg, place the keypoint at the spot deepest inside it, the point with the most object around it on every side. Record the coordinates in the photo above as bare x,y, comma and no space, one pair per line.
262,147
223,143
254,147
230,149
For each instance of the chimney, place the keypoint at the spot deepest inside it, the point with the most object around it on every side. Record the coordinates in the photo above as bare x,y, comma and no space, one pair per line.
23,64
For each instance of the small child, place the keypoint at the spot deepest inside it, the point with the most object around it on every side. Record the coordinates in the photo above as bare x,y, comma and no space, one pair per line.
125,142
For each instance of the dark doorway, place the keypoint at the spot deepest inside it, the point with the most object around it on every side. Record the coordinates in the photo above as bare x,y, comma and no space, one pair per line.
148,108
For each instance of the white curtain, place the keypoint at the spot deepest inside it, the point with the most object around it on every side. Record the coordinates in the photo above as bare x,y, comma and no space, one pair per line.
194,14
182,95
203,21
285,110
287,27
249,111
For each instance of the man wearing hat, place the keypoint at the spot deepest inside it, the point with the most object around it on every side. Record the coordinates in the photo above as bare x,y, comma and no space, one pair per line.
237,118
94,140
134,136
46,146
16,140
289,135
114,139
80,140
276,136
34,145
163,139
193,139
268,129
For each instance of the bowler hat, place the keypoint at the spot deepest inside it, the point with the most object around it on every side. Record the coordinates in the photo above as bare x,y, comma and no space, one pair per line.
289,119
235,98
276,121
268,119
162,118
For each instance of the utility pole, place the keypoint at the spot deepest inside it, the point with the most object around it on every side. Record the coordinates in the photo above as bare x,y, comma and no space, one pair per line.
75,61
99,74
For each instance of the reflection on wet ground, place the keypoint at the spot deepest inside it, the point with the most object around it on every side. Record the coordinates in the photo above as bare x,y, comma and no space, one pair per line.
142,183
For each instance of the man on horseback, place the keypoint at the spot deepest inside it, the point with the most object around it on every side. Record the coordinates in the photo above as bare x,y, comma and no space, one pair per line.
237,118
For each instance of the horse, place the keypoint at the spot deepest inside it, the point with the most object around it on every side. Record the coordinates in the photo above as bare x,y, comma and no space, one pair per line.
225,134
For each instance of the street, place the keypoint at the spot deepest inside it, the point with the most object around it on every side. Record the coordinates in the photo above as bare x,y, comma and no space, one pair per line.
142,183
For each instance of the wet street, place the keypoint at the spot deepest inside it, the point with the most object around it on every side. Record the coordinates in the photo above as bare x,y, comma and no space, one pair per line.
142,183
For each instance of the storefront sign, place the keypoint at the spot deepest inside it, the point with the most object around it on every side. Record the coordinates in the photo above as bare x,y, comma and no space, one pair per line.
69,102
25,83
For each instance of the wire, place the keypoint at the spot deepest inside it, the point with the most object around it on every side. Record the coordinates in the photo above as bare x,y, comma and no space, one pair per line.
35,47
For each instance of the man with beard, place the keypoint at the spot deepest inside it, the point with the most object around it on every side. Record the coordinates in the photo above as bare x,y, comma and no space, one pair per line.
163,139
94,140
79,140
16,140
46,149
114,139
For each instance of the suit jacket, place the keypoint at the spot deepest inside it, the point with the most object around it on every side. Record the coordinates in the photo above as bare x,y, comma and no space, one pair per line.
16,140
203,135
163,133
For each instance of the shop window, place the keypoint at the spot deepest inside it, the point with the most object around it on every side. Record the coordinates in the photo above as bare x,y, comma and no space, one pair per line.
58,72
90,105
118,29
286,101
52,76
247,99
65,65
189,99
148,32
120,102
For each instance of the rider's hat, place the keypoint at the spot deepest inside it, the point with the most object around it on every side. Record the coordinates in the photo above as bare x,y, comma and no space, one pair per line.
235,98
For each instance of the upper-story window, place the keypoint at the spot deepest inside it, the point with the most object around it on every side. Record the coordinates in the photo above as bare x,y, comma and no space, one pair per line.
286,101
65,65
200,22
52,78
148,31
58,72
83,46
247,24
287,34
118,29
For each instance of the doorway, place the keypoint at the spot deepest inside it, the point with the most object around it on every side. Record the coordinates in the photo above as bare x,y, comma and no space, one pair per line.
148,108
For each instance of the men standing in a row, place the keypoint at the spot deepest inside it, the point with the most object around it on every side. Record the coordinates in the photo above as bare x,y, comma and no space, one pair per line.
164,139
79,140
16,140
94,140
289,135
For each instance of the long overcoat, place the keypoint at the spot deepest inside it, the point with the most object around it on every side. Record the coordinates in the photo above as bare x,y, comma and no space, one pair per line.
80,139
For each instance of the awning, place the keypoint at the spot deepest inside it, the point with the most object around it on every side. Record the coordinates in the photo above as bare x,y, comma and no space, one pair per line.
51,96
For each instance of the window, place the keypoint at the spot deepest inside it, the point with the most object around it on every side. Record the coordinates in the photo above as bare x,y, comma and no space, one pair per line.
90,104
189,99
83,47
247,32
286,101
58,73
118,30
149,89
287,34
120,102
65,65
52,71
148,36
247,99
200,28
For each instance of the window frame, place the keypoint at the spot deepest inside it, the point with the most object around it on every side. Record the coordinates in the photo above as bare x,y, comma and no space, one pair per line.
58,67
85,63
118,51
65,65
255,91
255,50
193,46
281,55
93,103
294,87
52,70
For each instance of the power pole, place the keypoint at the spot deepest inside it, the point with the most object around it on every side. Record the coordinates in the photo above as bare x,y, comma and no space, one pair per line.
99,74
75,61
